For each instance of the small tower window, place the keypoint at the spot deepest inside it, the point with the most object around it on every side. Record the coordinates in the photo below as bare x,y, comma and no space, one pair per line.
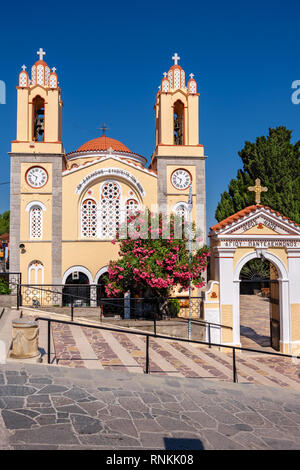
178,123
38,119
36,222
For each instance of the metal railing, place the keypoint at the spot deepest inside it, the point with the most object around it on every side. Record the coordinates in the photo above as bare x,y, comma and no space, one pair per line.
209,326
36,296
153,335
12,280
141,307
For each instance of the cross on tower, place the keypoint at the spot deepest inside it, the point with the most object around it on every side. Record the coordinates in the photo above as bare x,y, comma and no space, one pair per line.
176,58
192,75
258,189
165,74
103,128
53,69
23,68
41,53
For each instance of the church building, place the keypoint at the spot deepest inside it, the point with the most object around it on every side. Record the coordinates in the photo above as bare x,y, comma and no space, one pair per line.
65,207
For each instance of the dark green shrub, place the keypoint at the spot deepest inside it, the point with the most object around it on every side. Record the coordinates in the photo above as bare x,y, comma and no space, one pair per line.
4,289
173,307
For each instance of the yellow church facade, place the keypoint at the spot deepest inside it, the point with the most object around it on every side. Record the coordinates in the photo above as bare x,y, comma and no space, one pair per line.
65,207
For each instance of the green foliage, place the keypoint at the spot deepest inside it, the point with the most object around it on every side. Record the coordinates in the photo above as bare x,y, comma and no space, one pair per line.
275,160
256,269
4,289
4,222
173,307
154,258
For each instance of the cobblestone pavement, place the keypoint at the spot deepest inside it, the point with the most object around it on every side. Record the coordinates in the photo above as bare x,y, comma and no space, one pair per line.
48,407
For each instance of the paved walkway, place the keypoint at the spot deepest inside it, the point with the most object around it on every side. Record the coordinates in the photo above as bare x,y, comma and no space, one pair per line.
255,322
47,407
83,347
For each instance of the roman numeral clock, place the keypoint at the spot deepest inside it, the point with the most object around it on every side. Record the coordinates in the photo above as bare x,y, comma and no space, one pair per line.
36,177
181,179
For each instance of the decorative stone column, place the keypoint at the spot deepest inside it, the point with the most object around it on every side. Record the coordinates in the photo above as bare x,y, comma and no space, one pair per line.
127,305
93,295
25,338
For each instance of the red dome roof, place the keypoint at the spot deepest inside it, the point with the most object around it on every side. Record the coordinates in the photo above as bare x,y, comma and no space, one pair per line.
103,143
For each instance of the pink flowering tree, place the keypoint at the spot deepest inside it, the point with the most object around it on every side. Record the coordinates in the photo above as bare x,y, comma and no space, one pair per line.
154,257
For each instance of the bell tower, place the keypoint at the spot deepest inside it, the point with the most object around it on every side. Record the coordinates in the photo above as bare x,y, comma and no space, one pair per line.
178,157
39,113
37,160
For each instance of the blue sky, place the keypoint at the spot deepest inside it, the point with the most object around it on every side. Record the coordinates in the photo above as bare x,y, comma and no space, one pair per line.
110,57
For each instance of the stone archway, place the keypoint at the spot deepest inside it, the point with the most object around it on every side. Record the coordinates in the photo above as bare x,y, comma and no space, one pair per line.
255,232
283,288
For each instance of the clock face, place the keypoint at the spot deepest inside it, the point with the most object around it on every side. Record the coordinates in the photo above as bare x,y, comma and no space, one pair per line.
36,177
181,179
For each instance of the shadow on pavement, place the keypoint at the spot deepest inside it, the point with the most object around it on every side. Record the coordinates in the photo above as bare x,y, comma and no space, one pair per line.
174,443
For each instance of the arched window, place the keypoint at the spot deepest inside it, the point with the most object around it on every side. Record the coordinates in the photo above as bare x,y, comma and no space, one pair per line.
36,222
132,206
178,123
36,272
38,122
181,209
89,218
110,194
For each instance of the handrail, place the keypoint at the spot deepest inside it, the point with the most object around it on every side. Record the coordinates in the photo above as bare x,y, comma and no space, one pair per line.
102,300
169,338
110,302
195,320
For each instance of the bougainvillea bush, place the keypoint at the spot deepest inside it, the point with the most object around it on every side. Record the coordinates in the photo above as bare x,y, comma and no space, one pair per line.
154,257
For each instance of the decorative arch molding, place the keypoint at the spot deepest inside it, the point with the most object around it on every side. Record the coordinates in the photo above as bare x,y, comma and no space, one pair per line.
180,205
259,253
284,308
100,273
111,173
81,269
35,203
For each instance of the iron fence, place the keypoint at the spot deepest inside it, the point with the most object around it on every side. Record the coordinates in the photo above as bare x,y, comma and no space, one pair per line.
10,281
91,295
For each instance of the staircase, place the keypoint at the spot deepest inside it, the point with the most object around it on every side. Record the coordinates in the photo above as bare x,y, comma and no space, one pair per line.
84,347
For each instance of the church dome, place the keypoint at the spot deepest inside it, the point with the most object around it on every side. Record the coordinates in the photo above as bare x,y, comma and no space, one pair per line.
103,143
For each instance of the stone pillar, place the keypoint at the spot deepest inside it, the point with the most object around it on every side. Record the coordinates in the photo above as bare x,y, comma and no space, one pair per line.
25,337
93,295
127,305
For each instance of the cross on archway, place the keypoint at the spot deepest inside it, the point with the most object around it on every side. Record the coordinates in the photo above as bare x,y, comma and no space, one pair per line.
258,189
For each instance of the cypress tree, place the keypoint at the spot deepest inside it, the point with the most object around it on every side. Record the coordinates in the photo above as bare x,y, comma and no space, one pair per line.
275,160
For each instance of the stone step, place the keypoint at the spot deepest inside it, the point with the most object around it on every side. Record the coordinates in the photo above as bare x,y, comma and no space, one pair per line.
84,347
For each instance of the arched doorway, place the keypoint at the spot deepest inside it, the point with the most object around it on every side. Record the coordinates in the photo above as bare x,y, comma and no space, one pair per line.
109,305
259,304
77,288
